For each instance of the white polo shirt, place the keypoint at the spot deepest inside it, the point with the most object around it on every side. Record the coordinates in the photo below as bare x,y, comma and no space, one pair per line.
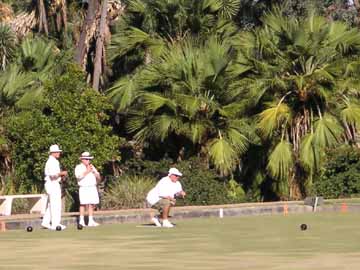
52,167
88,180
164,188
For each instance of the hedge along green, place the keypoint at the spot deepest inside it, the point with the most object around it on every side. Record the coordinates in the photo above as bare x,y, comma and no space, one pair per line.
340,176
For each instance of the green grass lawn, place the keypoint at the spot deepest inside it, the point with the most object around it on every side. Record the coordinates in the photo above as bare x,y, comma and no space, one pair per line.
332,241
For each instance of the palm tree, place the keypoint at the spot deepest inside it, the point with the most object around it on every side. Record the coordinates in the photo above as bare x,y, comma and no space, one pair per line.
184,94
22,82
301,77
147,25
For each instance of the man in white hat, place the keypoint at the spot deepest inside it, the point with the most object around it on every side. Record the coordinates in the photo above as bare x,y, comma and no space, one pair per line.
53,177
87,177
163,196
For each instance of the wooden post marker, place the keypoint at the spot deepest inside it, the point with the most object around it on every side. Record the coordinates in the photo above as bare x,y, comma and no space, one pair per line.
344,208
2,226
286,210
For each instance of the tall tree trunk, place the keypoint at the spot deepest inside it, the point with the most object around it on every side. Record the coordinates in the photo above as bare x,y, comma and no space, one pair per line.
98,64
3,184
42,17
357,7
64,15
86,33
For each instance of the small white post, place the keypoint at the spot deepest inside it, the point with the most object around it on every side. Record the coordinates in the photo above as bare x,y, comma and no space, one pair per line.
221,213
315,204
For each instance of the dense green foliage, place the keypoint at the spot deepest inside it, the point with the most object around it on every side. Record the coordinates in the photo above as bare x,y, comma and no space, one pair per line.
71,115
340,176
299,75
243,96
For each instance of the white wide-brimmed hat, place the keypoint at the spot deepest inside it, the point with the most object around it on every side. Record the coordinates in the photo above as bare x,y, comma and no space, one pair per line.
86,155
55,149
175,171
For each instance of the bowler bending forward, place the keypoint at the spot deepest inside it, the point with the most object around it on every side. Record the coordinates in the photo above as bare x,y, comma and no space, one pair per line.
162,197
87,177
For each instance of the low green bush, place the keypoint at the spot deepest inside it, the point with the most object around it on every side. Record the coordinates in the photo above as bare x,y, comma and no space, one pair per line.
127,192
70,114
340,176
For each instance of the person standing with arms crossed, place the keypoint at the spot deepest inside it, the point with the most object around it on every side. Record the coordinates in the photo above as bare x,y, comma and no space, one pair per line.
87,177
53,176
163,196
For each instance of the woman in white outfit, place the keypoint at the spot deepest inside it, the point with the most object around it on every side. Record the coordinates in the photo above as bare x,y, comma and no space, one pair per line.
53,177
87,177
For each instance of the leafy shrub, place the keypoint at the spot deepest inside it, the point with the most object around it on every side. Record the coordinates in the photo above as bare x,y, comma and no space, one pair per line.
127,192
71,115
202,188
341,174
235,192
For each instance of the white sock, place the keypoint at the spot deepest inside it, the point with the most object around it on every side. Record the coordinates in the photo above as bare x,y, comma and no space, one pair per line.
81,219
91,219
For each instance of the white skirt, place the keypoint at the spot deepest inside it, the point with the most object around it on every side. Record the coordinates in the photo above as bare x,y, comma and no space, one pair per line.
88,195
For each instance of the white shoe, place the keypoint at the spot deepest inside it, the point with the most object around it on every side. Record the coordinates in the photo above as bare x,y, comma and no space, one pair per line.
156,221
82,223
167,224
93,224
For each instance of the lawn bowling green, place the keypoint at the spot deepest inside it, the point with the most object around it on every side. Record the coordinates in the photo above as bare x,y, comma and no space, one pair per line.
331,241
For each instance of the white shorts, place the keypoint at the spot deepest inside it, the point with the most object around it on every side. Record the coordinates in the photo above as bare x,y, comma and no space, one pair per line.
88,195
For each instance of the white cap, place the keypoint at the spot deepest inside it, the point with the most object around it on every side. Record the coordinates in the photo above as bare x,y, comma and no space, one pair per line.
86,155
175,171
54,149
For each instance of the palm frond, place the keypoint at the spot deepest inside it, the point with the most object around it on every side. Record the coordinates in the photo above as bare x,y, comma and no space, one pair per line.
280,161
136,6
351,113
327,131
123,93
238,140
272,118
14,84
131,37
223,155
310,153
226,8
162,126
37,55
153,102
197,130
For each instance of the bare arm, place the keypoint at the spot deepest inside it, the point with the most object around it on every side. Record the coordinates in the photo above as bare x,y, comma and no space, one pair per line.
56,176
96,173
